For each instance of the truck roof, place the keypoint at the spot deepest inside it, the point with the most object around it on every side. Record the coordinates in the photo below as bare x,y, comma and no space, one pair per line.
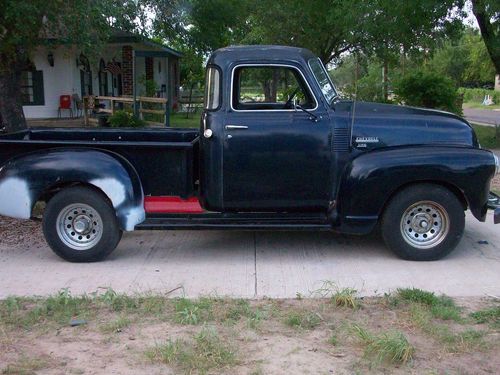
257,53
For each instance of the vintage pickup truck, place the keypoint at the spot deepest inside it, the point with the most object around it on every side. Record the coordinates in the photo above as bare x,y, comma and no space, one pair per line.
277,149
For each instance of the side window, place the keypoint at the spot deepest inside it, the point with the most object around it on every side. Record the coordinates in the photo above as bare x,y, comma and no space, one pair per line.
212,89
269,88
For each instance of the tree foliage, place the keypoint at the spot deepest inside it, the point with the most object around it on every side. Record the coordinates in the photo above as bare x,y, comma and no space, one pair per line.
487,13
24,25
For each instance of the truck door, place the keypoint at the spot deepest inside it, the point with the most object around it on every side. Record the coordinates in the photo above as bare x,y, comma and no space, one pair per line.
275,157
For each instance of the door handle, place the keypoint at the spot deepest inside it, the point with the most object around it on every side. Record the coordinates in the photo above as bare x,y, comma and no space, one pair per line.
234,127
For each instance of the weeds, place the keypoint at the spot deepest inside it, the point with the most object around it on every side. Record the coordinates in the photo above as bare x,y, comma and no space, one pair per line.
490,315
441,307
453,342
303,320
193,312
341,297
116,326
25,365
206,351
389,346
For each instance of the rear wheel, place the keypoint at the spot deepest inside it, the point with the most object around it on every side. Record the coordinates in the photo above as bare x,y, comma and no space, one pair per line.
423,222
80,225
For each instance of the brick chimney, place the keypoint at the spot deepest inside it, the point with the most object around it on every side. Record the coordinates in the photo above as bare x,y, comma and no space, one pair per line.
127,70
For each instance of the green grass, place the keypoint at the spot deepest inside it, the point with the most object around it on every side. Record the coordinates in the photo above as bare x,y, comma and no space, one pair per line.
303,320
25,366
179,120
205,352
441,307
490,315
116,325
464,341
486,135
478,105
387,346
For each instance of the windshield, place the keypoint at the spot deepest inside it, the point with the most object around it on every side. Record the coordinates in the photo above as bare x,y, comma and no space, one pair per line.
324,81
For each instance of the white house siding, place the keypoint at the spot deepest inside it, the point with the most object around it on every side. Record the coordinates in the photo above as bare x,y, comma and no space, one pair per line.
57,80
64,77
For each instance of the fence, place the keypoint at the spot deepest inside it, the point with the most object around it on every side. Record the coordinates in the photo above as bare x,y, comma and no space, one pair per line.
145,106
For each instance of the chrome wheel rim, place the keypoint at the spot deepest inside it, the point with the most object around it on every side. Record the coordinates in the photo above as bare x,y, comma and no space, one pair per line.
425,224
79,226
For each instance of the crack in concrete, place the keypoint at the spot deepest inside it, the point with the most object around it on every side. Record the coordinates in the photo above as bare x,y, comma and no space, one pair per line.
255,262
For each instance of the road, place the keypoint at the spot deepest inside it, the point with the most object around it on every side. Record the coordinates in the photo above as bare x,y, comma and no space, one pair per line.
482,116
255,265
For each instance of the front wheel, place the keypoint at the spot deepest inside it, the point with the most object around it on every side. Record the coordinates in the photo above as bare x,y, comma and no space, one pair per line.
80,225
423,222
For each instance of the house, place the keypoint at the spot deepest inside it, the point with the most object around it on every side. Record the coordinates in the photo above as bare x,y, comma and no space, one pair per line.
127,66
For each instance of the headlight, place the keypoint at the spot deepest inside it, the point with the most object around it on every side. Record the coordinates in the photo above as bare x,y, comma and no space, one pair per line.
497,164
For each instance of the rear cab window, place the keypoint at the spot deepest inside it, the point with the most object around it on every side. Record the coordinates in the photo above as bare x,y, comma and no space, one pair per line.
212,89
266,87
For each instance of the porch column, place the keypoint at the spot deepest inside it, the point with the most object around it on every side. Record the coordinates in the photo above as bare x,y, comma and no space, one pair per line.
497,82
127,70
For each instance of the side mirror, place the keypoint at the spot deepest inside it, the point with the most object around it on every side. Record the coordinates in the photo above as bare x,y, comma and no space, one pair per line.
295,104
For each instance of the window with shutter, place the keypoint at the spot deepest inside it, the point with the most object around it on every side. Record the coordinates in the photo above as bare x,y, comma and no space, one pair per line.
32,87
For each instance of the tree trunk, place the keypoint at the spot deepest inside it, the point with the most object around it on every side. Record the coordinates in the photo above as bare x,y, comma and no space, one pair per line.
11,102
386,80
487,32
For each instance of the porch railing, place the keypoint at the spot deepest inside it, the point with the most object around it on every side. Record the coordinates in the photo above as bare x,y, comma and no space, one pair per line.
145,105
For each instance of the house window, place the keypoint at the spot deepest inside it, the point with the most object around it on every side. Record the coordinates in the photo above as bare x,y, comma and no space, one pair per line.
270,88
85,76
103,79
32,87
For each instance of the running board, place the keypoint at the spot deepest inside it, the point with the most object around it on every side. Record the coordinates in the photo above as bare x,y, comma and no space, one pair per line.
240,221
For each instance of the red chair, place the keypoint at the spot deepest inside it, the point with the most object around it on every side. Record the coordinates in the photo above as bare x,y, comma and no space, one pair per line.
65,103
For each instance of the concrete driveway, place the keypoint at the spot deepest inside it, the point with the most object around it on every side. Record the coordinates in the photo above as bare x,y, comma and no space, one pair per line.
254,265
482,116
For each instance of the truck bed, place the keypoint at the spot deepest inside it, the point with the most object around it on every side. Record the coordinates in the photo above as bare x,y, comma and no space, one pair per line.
165,159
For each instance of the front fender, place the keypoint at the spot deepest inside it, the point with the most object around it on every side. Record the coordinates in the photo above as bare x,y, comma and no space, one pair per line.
25,179
372,178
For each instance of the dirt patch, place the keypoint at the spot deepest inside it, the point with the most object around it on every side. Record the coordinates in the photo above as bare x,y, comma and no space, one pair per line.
21,233
122,332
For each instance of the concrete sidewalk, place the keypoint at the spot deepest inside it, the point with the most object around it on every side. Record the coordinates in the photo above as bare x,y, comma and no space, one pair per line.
254,265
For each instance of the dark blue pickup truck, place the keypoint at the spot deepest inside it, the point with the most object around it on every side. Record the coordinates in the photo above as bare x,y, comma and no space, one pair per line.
277,149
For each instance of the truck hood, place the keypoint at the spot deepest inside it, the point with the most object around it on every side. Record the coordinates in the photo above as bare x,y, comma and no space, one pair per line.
382,125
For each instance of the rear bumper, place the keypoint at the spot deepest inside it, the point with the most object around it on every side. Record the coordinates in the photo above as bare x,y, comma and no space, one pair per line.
496,216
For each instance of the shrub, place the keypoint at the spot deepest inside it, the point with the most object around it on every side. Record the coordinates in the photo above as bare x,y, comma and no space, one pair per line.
125,119
428,89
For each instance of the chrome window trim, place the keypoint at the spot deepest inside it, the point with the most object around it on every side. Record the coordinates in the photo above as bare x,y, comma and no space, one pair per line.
327,76
311,92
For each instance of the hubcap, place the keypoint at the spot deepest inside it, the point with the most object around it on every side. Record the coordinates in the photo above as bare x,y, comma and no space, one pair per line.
425,224
79,226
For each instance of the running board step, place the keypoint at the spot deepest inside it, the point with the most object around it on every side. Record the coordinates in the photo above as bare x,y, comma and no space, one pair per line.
250,221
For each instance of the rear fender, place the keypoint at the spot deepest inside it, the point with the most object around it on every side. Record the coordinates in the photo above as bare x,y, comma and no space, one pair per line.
24,180
373,177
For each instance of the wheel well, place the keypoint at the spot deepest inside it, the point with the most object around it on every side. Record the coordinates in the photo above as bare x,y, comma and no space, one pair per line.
51,191
456,191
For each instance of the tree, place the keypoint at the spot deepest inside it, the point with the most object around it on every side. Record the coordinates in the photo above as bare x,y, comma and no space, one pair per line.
487,13
199,25
25,25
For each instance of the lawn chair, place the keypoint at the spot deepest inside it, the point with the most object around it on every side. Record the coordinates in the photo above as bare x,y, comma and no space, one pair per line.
78,103
65,103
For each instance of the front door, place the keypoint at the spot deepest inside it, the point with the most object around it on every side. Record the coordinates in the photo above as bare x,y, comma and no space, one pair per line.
276,157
